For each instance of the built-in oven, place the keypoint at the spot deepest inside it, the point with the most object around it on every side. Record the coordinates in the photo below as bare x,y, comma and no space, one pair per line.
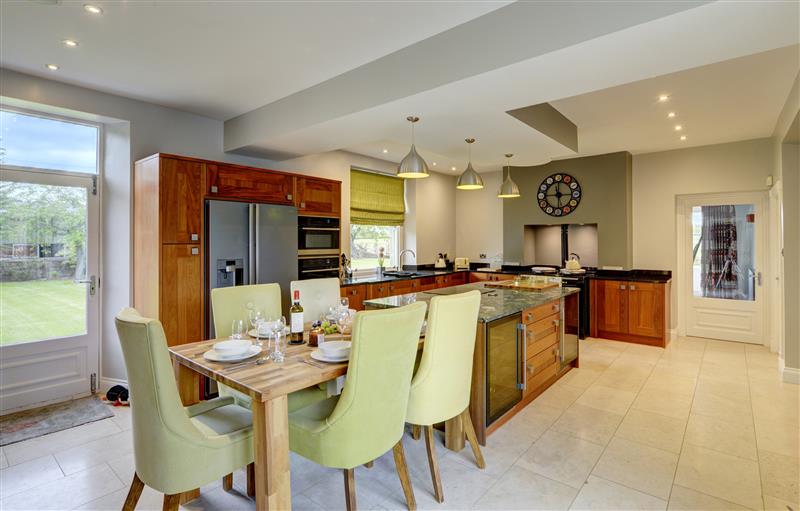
318,266
317,236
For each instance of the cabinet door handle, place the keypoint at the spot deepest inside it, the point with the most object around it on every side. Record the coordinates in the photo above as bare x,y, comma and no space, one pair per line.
302,205
290,197
632,287
530,317
194,237
622,286
531,368
195,251
214,189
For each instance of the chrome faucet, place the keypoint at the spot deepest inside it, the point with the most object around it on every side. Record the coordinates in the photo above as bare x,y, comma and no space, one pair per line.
402,253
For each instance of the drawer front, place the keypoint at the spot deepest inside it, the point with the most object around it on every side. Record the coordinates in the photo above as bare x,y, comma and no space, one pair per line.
378,291
427,283
250,184
356,296
535,314
544,327
400,287
535,346
541,368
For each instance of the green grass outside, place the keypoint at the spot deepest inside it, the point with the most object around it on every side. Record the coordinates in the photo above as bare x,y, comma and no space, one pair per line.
41,309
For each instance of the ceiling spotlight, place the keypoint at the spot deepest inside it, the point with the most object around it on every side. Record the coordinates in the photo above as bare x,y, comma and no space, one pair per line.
678,127
671,115
93,9
683,137
433,163
52,67
453,169
385,151
70,43
663,98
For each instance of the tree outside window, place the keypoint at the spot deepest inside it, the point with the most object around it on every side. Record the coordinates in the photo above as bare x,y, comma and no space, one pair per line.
366,242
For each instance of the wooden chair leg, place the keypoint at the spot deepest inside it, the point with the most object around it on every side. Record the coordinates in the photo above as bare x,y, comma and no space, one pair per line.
369,464
350,489
171,502
133,494
251,480
415,432
227,482
434,464
402,472
469,429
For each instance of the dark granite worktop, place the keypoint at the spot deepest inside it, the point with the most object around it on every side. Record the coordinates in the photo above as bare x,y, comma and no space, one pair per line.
654,276
415,274
495,303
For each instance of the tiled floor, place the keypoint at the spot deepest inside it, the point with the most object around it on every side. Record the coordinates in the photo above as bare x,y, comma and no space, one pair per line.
702,425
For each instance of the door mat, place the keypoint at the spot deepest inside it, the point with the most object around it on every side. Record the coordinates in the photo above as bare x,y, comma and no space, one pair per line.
19,426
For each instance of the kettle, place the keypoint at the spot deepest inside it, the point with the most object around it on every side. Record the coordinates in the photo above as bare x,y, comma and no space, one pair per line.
574,262
441,262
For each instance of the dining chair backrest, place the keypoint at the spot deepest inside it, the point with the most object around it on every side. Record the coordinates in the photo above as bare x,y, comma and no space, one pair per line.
161,427
316,296
441,386
230,303
370,415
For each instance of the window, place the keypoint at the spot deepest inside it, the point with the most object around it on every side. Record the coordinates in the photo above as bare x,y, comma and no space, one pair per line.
32,141
377,212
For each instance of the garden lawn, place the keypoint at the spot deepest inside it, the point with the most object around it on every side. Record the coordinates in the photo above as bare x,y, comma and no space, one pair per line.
41,309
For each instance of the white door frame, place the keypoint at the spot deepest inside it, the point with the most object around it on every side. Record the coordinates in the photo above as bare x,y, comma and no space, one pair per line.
684,270
776,261
75,359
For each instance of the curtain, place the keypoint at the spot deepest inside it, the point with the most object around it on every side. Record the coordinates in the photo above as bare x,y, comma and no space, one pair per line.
376,199
718,258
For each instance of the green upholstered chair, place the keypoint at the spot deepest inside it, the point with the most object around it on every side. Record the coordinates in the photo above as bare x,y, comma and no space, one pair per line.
176,448
441,386
316,296
368,418
230,303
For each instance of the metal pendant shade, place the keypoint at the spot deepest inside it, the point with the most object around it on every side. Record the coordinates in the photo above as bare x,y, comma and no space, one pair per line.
413,166
469,179
509,189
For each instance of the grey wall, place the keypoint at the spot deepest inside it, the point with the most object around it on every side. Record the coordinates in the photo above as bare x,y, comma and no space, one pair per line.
606,184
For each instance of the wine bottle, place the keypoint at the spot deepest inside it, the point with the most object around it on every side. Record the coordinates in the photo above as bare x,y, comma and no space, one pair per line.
296,315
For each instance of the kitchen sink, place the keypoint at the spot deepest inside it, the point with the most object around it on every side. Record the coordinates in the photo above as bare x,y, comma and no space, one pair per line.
399,273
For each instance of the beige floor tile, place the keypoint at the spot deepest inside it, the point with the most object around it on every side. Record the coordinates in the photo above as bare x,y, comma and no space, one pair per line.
607,398
580,378
463,485
588,423
686,499
623,377
638,466
728,409
502,449
122,417
720,475
652,429
559,396
62,440
724,346
600,494
3,460
735,390
774,390
150,500
671,384
773,504
732,438
522,489
562,457
723,372
540,414
94,453
29,474
778,437
780,477
68,492
663,403
776,409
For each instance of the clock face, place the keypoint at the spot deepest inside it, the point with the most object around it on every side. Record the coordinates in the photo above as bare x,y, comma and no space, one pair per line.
559,194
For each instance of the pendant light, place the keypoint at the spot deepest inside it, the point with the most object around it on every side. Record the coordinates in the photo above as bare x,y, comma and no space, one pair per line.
469,179
509,189
412,166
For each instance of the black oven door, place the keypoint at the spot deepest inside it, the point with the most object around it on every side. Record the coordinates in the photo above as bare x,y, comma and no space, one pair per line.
318,267
317,236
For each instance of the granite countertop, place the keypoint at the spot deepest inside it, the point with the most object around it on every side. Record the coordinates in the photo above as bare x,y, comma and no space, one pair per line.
416,274
654,276
495,304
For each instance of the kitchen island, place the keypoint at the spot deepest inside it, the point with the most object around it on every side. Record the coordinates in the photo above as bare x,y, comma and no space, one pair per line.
526,340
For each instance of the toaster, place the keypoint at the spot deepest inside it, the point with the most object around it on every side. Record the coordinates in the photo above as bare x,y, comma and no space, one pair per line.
461,263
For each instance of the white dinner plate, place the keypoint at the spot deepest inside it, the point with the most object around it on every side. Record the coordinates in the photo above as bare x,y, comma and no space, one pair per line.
317,355
252,332
213,356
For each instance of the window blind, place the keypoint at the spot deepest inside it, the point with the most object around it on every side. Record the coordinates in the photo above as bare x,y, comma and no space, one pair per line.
376,199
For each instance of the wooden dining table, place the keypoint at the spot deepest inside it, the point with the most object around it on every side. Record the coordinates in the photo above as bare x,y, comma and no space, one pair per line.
268,385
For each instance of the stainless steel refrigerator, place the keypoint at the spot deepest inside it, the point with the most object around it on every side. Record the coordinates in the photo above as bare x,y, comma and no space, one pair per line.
250,244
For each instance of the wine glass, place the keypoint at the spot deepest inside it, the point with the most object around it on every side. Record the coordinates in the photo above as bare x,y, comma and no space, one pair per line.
238,329
342,319
278,342
255,316
345,302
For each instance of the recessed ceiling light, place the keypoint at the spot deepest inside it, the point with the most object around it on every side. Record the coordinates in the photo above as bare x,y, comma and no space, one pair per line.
70,43
663,98
678,127
683,137
433,163
385,151
52,67
452,168
93,9
671,115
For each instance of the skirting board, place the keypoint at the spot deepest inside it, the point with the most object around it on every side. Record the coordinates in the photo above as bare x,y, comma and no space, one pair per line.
673,334
791,375
107,383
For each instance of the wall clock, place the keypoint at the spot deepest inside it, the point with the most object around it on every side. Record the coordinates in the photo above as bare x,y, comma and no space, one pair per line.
559,194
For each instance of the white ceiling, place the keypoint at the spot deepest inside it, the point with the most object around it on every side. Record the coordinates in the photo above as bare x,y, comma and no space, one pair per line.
236,58
219,58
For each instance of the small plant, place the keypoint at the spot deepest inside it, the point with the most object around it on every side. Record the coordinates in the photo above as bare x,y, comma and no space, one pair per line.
381,259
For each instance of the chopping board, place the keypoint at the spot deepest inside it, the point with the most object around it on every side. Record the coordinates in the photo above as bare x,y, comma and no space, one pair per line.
521,286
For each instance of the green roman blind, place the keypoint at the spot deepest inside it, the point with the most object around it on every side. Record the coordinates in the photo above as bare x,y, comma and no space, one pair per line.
376,199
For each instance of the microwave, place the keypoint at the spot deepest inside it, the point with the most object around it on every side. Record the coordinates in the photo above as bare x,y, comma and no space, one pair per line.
317,236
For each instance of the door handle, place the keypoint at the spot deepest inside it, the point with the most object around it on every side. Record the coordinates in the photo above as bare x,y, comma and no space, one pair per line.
92,281
622,286
632,287
758,278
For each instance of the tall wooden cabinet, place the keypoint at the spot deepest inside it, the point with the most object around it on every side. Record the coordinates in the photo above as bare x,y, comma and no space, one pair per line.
631,311
169,232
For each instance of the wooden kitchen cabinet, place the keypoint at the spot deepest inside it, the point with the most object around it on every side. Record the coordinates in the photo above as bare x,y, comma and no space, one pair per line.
181,296
318,197
250,184
356,295
481,276
630,311
457,279
180,200
379,290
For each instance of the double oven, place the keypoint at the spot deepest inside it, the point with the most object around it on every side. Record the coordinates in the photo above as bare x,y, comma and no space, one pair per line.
318,247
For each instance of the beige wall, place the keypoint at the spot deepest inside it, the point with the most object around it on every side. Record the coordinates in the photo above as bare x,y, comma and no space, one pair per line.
479,219
431,225
659,177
